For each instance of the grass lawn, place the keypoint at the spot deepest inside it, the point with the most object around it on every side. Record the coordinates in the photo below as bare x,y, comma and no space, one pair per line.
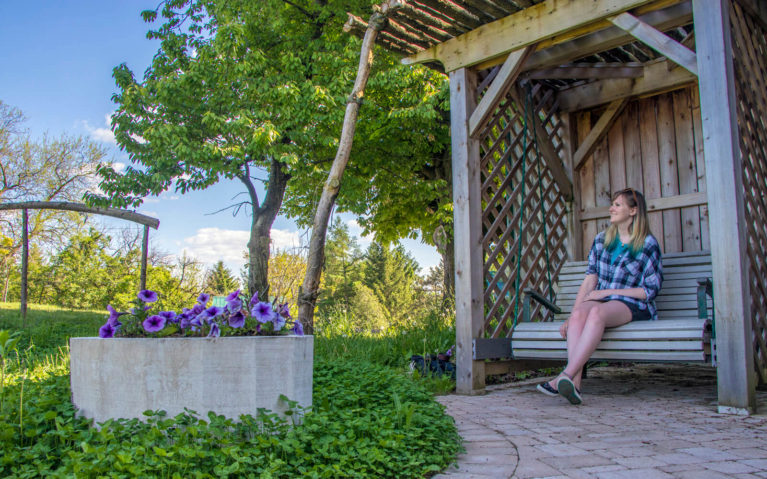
370,419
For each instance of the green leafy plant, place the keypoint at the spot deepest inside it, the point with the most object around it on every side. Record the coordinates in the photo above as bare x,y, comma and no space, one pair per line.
8,344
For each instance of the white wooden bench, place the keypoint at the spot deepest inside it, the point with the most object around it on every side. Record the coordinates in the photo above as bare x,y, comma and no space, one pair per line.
683,331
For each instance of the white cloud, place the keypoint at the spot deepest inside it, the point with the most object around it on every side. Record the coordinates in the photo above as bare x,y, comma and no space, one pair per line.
103,135
210,245
356,230
119,166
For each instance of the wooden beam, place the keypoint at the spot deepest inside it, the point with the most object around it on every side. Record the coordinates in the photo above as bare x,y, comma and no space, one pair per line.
81,208
736,378
656,204
526,27
657,78
596,134
658,41
599,41
467,212
549,153
506,76
588,70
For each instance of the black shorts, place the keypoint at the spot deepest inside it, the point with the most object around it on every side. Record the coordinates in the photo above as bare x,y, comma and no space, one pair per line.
636,313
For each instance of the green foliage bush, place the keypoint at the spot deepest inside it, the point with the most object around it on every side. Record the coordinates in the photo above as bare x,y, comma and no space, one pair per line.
367,421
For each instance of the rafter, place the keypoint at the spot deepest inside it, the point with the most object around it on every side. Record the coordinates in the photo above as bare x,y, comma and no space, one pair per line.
656,78
658,41
588,70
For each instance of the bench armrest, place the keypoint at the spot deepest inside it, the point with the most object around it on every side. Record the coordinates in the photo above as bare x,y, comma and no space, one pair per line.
705,289
533,294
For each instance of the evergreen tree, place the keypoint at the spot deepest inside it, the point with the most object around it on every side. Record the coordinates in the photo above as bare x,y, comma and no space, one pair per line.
341,271
391,274
220,280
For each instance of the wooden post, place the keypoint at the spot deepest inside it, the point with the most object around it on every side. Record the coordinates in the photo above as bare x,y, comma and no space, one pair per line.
24,264
469,307
144,252
724,181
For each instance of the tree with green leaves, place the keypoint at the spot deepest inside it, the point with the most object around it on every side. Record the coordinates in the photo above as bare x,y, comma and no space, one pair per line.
219,280
240,90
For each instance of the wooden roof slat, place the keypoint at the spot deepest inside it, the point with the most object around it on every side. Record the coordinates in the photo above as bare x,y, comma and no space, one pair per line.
416,38
419,18
435,34
486,7
357,26
455,12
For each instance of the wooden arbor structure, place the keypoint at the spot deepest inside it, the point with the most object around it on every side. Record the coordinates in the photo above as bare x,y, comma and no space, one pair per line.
667,96
146,221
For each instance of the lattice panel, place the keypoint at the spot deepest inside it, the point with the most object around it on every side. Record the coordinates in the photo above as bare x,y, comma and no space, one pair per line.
750,59
517,210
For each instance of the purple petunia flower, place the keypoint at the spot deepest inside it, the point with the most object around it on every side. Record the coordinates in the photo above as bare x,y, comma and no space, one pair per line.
234,305
184,321
147,296
107,331
197,309
153,323
203,298
114,316
254,299
263,312
169,316
284,311
298,328
214,331
233,295
278,322
237,320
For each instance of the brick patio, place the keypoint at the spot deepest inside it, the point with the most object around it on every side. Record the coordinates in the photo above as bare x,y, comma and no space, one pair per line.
637,421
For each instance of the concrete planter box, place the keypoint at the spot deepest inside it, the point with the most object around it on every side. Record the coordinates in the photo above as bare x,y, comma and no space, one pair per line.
123,377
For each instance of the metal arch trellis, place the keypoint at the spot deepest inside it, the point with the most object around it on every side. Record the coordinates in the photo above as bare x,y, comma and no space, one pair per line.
147,221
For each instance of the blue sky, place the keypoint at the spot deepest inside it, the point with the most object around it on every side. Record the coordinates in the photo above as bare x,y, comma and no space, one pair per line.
56,60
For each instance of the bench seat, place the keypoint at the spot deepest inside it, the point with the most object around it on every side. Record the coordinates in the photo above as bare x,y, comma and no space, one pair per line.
683,332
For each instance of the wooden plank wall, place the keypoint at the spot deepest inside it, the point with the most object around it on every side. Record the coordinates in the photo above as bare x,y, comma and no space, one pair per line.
655,146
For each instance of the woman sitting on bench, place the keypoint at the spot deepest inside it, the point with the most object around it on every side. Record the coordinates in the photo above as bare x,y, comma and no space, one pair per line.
622,279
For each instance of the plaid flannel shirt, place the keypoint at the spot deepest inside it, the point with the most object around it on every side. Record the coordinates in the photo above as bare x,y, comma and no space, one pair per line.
641,271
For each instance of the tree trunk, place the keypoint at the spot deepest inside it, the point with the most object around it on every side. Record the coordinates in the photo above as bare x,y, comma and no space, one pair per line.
261,226
307,298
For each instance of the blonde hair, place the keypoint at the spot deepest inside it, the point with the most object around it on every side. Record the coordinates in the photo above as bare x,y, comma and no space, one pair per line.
639,228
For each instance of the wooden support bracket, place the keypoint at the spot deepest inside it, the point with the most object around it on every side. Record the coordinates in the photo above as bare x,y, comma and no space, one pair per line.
658,41
506,76
599,131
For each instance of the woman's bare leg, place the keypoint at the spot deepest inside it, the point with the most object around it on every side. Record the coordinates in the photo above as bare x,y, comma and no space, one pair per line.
601,316
575,324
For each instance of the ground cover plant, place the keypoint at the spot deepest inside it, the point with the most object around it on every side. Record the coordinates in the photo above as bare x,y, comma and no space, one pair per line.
368,420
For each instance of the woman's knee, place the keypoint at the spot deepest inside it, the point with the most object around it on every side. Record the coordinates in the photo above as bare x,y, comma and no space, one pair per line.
595,316
578,316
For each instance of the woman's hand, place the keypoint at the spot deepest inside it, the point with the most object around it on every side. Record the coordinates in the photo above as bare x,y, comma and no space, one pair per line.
563,330
597,294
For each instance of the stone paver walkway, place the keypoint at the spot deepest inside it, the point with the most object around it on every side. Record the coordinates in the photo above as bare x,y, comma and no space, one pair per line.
638,421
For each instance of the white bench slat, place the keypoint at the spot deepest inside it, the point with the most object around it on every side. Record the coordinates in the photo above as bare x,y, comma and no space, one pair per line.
615,355
669,324
622,345
681,334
